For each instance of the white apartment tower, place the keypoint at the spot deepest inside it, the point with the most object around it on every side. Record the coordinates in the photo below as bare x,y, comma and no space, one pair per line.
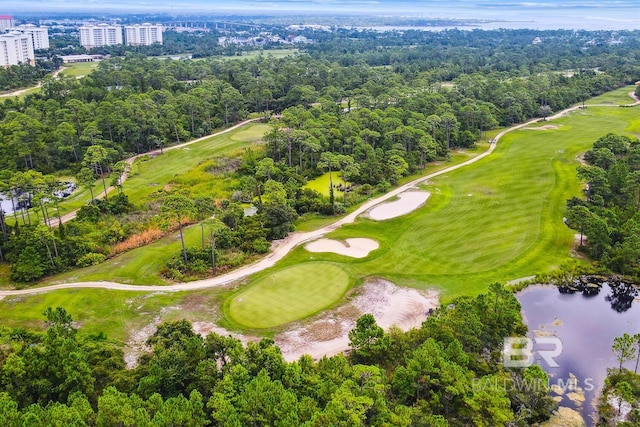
40,35
143,34
16,48
6,22
100,35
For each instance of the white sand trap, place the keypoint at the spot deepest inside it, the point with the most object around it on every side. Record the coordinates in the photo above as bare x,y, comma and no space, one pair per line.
407,202
355,248
327,334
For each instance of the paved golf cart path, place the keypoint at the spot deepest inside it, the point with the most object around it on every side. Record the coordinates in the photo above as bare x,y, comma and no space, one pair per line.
285,246
71,215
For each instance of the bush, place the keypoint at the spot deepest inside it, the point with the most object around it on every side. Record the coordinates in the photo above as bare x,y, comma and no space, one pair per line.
90,212
261,246
89,259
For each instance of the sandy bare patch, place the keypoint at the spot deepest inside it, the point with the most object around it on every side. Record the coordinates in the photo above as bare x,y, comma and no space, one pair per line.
407,202
355,248
205,328
137,343
545,127
327,334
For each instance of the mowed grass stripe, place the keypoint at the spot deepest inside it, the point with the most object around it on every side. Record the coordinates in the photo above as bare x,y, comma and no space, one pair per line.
287,295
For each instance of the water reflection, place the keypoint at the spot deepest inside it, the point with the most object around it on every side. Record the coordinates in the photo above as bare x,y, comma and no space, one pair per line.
586,316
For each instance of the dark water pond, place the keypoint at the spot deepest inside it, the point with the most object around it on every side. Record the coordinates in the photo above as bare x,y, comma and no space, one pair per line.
585,320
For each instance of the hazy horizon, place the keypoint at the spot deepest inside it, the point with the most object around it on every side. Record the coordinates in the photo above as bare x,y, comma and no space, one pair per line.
534,14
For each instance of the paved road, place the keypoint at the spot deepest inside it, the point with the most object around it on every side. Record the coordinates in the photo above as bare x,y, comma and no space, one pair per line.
293,240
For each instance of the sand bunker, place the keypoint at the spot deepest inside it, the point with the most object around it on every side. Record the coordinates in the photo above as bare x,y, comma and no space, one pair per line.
327,334
407,202
355,248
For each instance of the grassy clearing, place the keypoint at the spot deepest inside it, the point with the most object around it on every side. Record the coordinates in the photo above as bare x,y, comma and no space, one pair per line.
140,266
35,89
288,294
321,184
276,53
153,174
79,69
616,97
95,310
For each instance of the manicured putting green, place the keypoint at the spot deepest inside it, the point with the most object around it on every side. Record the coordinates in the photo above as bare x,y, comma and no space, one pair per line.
290,294
321,183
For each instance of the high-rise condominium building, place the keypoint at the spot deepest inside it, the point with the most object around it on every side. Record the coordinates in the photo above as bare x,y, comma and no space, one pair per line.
143,34
39,35
16,48
6,22
100,35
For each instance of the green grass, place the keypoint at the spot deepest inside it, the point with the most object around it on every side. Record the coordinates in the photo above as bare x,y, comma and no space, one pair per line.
276,53
496,220
321,183
510,227
153,174
22,95
5,270
142,265
95,310
616,97
289,294
79,69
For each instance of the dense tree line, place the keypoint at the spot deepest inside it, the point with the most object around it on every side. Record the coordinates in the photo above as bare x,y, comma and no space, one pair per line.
445,373
17,76
620,401
609,218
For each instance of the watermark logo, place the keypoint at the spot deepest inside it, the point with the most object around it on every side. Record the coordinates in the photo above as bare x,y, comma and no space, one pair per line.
520,352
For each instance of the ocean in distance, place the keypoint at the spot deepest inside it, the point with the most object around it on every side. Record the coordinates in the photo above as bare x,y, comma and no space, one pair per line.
540,15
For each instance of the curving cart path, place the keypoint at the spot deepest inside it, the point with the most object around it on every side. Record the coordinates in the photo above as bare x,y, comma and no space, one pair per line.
293,240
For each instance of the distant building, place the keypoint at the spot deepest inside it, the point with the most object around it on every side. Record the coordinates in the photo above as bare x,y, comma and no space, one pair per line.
71,59
16,48
39,35
143,34
100,35
6,22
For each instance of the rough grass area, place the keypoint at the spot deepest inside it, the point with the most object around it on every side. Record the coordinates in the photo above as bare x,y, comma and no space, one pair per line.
153,174
616,97
79,69
95,310
140,266
289,294
321,184
276,53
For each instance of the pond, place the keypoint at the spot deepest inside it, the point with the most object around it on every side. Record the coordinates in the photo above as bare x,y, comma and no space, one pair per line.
585,319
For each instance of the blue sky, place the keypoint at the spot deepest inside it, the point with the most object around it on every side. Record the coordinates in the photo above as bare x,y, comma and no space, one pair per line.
422,6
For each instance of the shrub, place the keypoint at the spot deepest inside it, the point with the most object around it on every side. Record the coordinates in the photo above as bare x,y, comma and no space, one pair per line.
261,246
137,240
89,259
